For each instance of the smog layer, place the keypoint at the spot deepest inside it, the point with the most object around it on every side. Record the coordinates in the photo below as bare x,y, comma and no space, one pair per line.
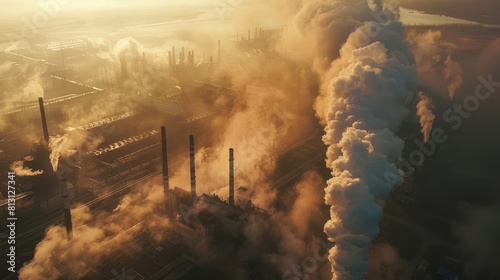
303,139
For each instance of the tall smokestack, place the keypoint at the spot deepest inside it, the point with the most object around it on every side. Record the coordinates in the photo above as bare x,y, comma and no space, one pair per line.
123,65
164,160
44,120
421,162
67,209
169,58
173,56
193,170
218,54
183,56
231,176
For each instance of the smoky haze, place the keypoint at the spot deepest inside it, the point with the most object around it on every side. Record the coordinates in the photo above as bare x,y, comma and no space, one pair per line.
320,100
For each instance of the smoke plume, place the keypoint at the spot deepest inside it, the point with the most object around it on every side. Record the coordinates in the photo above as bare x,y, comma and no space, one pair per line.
436,67
273,113
316,33
289,240
453,74
424,111
427,48
96,236
28,91
385,263
71,142
21,170
366,106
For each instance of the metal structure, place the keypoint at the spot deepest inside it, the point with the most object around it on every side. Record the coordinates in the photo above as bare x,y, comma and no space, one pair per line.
231,177
193,169
164,160
67,210
44,120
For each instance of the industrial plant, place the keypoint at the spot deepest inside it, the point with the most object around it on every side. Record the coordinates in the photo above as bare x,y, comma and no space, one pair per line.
111,159
305,139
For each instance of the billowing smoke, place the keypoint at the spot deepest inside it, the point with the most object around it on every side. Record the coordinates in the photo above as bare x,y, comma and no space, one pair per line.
21,170
56,145
304,37
424,112
96,236
128,46
427,48
434,61
315,34
254,143
276,107
70,143
33,87
366,106
453,74
271,114
385,263
289,240
29,90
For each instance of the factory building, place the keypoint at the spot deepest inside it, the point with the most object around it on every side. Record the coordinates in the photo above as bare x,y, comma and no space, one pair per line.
205,211
201,224
197,218
46,187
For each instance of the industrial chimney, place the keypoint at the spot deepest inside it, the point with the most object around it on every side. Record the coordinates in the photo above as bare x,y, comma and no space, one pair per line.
123,65
173,56
164,160
231,177
218,54
193,170
67,210
182,56
44,120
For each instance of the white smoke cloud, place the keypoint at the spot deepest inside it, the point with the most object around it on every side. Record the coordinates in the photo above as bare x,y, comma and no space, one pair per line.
29,90
96,236
74,141
128,46
427,48
304,37
21,170
434,61
453,74
288,241
424,111
366,106
33,87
